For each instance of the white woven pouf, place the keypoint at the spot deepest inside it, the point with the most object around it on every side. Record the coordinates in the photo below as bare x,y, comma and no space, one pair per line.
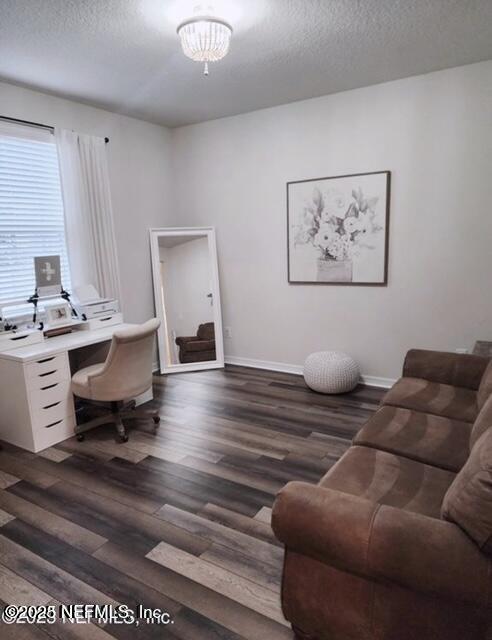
331,372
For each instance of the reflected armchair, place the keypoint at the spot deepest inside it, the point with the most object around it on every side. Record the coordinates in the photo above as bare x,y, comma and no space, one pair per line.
199,348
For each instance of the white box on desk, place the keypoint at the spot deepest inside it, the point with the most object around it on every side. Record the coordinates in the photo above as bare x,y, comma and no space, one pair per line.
100,323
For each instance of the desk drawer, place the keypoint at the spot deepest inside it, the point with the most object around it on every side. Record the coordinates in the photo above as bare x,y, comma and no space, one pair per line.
47,382
53,433
45,368
48,394
9,341
52,414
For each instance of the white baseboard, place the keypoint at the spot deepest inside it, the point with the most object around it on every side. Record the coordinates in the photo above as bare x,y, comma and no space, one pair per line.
296,369
282,367
376,381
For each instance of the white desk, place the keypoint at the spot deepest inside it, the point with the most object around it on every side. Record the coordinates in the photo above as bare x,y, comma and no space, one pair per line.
36,402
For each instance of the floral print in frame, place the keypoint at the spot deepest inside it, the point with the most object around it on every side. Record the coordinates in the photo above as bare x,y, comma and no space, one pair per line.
338,229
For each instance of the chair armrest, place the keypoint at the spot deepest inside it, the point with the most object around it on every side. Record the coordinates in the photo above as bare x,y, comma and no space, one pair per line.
184,340
456,369
382,543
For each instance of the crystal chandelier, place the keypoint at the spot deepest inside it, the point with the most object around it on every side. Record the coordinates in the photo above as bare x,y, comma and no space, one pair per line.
205,39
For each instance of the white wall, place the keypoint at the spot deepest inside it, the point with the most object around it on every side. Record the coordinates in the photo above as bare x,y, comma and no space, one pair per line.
139,173
434,132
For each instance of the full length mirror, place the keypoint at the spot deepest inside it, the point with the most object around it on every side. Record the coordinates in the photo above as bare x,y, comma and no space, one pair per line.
187,298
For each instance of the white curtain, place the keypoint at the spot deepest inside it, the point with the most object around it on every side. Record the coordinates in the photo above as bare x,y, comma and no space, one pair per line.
89,224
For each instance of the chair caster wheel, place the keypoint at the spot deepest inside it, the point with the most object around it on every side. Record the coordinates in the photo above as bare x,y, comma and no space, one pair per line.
80,437
156,419
124,438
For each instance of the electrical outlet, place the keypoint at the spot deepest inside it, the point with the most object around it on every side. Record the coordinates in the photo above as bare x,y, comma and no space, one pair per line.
461,350
228,332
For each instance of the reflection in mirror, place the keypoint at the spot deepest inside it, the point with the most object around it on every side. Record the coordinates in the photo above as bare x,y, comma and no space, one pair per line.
187,298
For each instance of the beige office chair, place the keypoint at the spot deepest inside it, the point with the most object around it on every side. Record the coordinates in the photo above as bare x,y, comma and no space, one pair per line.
126,374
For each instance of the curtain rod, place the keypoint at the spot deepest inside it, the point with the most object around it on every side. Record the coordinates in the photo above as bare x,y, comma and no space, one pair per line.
34,124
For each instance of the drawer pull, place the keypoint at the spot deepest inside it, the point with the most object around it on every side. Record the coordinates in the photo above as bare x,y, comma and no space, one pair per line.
19,337
50,386
50,406
48,373
47,426
45,360
105,319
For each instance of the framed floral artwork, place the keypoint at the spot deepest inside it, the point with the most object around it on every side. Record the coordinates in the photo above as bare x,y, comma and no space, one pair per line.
338,229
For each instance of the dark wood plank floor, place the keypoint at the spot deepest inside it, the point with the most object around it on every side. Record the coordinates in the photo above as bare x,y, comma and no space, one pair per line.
176,520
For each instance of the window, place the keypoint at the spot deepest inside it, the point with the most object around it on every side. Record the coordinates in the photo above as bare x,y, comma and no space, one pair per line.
31,209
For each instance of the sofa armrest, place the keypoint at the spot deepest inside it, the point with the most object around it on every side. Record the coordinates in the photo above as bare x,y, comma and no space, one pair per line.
382,543
324,524
456,369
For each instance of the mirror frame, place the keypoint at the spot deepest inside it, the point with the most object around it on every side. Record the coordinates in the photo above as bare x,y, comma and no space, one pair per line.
209,233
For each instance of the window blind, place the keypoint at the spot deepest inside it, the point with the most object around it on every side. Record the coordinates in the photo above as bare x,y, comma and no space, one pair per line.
31,211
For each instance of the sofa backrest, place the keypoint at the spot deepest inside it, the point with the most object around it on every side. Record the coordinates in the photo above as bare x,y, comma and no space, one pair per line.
485,388
482,423
468,501
206,331
456,369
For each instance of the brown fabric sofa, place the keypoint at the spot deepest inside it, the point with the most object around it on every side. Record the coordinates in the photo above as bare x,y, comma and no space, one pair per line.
199,348
393,543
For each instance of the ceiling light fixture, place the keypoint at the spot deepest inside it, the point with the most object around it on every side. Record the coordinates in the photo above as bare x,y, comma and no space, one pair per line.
205,39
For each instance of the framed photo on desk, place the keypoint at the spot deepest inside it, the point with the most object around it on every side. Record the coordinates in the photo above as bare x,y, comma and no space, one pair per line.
58,314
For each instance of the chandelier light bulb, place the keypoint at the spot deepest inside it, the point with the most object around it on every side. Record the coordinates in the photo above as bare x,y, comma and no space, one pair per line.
205,39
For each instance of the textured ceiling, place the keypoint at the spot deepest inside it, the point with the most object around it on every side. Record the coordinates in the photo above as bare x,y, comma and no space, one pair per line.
124,55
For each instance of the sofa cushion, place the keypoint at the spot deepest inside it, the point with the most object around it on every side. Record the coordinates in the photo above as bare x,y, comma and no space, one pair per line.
482,423
440,442
445,400
385,478
468,502
200,345
485,388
